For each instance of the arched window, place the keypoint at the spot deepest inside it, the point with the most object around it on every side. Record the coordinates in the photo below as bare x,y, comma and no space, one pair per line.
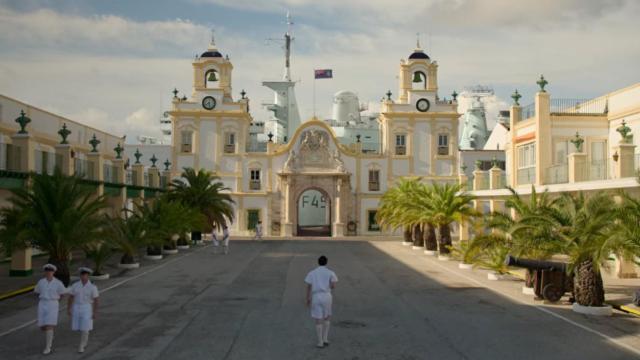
419,80
211,79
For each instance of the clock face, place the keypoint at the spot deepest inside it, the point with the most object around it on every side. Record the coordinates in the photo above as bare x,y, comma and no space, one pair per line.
208,103
423,105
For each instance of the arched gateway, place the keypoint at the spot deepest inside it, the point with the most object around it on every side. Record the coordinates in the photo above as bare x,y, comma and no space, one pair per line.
314,213
315,186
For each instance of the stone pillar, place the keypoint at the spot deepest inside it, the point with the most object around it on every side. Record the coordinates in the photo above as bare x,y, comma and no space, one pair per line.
515,117
119,202
543,135
338,226
167,175
21,259
495,178
138,179
21,262
68,166
154,177
27,155
478,177
625,166
288,226
98,170
577,167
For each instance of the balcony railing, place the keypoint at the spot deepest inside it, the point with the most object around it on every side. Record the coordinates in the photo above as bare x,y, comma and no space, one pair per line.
526,176
85,168
579,106
374,186
186,148
229,148
111,173
256,147
254,184
128,179
46,162
401,150
598,170
527,112
443,150
557,174
10,156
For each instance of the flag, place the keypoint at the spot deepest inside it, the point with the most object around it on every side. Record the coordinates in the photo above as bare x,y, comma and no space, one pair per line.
323,74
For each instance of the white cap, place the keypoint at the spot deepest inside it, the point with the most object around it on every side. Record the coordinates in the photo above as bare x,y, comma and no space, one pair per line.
83,270
49,267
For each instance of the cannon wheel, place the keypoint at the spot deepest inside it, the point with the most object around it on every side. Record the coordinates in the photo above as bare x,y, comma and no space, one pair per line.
552,293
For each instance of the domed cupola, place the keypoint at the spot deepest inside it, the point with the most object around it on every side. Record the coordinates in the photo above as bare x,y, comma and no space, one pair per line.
212,50
419,54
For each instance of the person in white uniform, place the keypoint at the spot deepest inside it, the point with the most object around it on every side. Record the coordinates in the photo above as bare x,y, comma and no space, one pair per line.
214,238
225,239
82,306
49,290
258,235
320,282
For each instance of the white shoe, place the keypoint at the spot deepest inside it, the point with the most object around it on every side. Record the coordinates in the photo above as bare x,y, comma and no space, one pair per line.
80,350
46,351
320,346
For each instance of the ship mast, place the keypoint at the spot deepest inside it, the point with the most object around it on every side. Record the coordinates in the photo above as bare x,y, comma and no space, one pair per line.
287,49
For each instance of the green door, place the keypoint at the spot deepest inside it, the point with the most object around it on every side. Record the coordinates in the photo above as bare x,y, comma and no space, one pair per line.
253,216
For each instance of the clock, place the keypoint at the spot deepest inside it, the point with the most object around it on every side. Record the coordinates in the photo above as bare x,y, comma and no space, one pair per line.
209,102
423,105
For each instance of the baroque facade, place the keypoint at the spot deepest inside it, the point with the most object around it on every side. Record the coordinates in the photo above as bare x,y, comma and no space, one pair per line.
418,135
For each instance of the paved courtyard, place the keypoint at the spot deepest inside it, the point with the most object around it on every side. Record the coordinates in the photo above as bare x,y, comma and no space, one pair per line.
391,303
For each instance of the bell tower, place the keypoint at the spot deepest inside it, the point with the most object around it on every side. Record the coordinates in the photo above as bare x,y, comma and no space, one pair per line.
212,72
418,75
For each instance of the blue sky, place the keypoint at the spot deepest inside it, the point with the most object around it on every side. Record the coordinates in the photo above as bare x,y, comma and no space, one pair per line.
113,63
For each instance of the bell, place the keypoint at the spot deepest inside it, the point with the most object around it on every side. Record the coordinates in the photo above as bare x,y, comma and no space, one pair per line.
212,76
416,77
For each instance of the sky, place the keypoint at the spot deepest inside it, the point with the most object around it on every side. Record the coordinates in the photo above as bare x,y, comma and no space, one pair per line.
112,64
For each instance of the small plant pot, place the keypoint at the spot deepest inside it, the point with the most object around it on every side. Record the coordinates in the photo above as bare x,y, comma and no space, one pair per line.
592,310
153,257
494,276
129,266
183,247
407,243
99,277
416,247
464,266
431,252
169,251
444,257
528,291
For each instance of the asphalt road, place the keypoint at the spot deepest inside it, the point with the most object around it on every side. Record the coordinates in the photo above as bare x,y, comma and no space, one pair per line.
390,303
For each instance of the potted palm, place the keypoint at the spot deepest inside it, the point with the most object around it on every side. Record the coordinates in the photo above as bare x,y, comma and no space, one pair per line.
57,214
492,258
99,253
127,232
450,203
466,253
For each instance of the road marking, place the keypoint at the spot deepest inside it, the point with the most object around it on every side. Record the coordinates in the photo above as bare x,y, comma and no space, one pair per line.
543,309
109,288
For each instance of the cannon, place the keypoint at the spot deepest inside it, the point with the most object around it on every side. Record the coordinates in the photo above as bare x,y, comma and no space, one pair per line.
550,279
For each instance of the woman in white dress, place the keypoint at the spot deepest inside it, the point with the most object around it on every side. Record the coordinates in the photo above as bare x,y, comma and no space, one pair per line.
49,290
82,306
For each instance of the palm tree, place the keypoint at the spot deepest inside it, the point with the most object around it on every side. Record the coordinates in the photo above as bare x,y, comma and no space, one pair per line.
399,209
450,203
203,191
56,214
127,232
590,232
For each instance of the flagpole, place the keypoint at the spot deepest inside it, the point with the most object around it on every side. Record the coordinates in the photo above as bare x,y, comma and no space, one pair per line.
314,94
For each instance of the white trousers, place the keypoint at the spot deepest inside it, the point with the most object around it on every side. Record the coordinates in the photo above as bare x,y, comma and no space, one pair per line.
82,317
48,312
321,305
224,241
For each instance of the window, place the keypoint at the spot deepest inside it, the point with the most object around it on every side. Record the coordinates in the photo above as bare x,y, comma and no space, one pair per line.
187,139
374,180
443,144
526,163
372,224
401,144
230,143
253,216
254,181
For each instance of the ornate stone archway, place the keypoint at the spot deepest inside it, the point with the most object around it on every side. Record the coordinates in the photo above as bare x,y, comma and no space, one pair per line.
314,165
